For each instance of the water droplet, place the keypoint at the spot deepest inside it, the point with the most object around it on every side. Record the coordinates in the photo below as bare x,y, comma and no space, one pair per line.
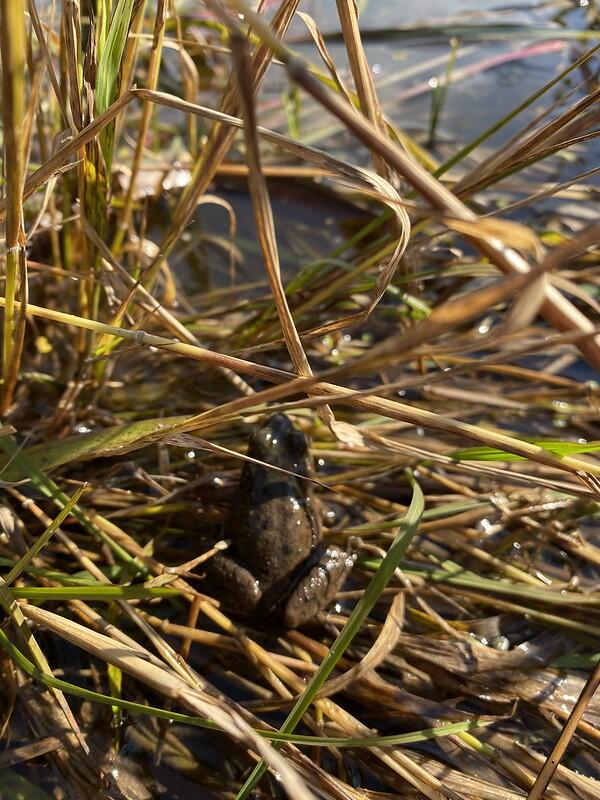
485,526
500,643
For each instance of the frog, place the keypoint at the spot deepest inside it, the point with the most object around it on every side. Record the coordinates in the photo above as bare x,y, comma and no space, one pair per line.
277,565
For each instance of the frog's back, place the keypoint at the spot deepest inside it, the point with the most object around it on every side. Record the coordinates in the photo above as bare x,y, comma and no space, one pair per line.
273,526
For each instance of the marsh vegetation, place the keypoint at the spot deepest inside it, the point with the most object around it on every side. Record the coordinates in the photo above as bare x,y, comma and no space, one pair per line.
386,230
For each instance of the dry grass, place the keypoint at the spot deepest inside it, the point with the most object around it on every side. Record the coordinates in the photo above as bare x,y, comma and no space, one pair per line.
434,358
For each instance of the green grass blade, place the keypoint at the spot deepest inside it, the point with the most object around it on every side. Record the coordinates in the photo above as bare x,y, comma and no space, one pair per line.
109,67
440,93
40,594
28,557
554,446
106,442
109,64
28,667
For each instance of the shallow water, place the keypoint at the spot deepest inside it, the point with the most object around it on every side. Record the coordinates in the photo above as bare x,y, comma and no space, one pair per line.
404,62
490,78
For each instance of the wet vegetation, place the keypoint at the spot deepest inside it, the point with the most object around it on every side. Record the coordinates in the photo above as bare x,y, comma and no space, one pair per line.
211,215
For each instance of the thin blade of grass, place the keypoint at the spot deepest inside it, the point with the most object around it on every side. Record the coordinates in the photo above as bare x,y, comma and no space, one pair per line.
41,542
439,93
552,446
105,594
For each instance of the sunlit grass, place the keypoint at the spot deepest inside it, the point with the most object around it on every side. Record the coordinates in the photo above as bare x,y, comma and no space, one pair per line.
440,353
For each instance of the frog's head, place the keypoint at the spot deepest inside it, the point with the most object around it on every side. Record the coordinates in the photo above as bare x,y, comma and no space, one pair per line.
277,442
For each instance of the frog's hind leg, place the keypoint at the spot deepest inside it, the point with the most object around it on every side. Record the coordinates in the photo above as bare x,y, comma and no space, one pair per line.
233,584
323,574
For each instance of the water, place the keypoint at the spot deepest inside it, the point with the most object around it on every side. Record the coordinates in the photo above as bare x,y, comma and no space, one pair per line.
489,79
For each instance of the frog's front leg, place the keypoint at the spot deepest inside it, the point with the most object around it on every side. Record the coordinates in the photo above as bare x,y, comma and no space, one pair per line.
324,572
236,584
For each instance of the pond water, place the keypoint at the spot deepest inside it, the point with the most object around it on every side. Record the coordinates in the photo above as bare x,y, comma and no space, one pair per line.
409,47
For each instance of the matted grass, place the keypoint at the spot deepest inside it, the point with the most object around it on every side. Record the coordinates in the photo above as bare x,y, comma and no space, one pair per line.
441,355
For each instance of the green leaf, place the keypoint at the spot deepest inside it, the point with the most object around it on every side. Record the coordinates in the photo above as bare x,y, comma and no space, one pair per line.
554,446
109,68
106,442
40,594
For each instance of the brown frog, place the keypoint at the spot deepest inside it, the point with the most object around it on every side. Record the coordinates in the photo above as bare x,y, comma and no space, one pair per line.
277,565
